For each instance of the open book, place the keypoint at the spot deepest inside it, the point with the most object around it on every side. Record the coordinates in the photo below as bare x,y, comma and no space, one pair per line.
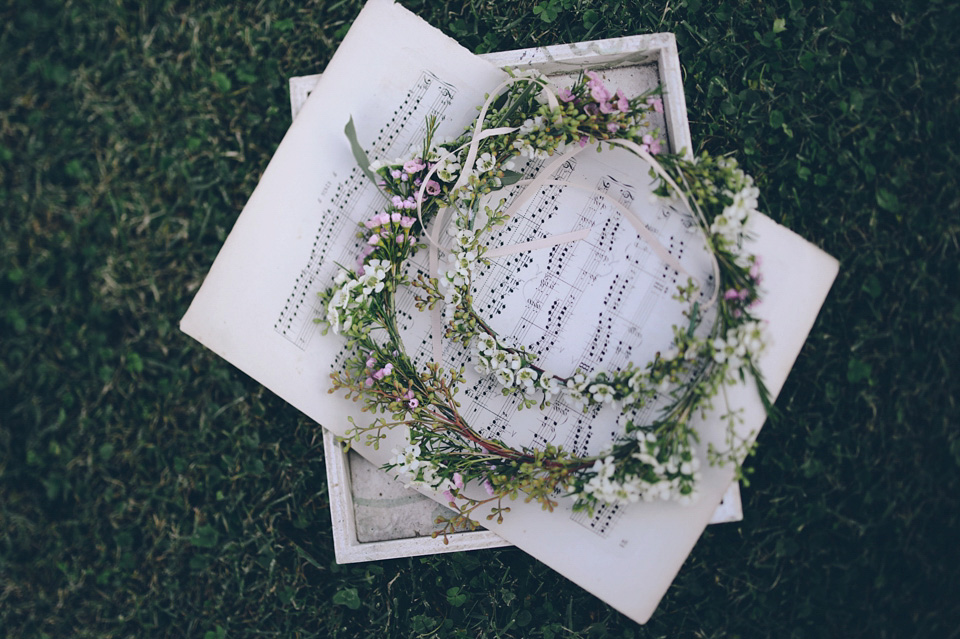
257,305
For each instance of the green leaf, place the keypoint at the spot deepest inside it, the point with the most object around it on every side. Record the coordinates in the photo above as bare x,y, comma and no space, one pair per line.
510,177
590,18
871,286
456,597
887,200
779,25
358,153
106,451
205,537
222,82
283,25
347,597
776,119
858,371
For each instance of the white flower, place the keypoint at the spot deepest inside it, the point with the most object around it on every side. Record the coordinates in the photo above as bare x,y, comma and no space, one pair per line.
447,168
504,376
602,393
548,385
482,365
486,344
333,318
636,381
486,162
526,377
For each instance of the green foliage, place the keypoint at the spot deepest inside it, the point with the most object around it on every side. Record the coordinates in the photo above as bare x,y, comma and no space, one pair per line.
148,489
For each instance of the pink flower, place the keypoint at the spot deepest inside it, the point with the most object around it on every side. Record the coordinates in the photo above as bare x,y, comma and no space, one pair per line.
408,394
397,201
449,495
371,362
458,481
597,91
656,103
433,188
372,223
395,217
414,165
651,144
395,174
388,368
622,102
488,487
374,239
366,250
369,382
378,375
566,95
731,294
413,403
407,222
583,141
607,107
613,127
591,109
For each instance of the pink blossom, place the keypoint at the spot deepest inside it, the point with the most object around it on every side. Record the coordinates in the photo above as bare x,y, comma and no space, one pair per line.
372,223
622,102
458,481
433,188
414,165
374,239
371,362
407,222
731,294
395,217
612,127
395,174
408,394
566,94
388,368
651,144
591,109
366,250
413,403
607,107
488,487
583,141
656,103
449,495
397,201
369,382
597,91
378,375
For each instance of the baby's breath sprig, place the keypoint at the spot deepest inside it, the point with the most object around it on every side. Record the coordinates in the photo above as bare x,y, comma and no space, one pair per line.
441,450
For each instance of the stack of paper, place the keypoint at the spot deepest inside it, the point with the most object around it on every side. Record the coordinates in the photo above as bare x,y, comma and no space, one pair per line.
257,305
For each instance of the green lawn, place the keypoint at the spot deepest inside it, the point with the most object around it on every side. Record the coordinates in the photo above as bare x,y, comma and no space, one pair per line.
149,489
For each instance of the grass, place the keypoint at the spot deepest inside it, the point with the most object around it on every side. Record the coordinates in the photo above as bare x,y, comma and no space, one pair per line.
148,489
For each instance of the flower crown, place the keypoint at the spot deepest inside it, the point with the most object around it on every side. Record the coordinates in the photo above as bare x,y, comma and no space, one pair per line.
646,461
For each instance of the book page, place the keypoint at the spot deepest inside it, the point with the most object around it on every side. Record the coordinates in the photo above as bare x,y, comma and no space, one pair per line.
601,302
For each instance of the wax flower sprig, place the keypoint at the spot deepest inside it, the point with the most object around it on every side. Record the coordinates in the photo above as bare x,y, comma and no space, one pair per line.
441,450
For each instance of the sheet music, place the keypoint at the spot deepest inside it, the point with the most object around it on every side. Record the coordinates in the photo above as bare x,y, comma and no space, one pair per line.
600,303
